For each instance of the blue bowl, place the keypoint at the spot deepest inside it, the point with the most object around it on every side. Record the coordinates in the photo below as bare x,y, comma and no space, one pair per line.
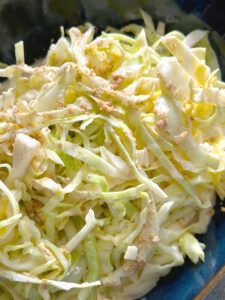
37,23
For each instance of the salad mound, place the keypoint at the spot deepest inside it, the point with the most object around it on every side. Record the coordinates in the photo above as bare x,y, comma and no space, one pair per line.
112,151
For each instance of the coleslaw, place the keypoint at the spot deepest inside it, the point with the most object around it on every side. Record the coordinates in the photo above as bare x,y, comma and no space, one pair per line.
112,152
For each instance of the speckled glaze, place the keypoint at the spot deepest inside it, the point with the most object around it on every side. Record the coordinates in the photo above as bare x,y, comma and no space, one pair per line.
38,21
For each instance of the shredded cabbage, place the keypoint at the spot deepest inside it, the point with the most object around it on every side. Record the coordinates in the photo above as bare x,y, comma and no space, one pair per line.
112,150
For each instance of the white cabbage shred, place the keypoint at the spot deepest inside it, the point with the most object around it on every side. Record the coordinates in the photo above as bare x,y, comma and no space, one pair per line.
112,150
